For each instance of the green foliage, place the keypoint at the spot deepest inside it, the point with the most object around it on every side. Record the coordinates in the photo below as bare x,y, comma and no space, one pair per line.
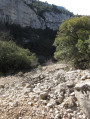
73,42
36,40
5,33
39,67
44,6
13,58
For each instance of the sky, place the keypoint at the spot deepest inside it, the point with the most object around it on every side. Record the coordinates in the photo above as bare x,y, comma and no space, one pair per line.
80,7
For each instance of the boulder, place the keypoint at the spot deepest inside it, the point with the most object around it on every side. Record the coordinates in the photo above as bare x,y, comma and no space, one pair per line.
44,95
82,92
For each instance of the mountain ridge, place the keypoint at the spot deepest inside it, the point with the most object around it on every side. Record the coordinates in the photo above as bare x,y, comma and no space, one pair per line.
27,13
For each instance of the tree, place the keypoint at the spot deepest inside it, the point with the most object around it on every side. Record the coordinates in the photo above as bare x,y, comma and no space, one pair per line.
14,58
73,42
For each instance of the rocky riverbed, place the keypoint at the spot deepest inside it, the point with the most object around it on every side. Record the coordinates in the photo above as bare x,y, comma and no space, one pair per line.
49,93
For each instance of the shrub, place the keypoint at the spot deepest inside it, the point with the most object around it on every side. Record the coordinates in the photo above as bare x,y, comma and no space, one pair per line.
39,67
73,42
44,6
13,58
39,41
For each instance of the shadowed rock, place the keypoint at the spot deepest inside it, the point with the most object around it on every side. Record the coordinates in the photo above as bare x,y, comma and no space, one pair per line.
82,91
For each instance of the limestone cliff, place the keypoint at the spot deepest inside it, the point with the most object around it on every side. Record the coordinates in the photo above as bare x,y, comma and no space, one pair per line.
20,12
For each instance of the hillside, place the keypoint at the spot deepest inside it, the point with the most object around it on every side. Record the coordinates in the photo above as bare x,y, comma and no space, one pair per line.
33,24
33,85
54,92
32,13
37,41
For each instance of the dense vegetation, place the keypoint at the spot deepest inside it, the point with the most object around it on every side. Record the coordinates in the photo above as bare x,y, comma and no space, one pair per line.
12,57
73,42
72,45
44,6
36,40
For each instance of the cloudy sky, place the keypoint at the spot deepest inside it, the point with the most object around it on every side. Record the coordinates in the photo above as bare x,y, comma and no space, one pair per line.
81,7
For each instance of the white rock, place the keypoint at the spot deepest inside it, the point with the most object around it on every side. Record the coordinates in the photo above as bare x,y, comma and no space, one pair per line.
51,103
57,116
43,112
72,94
69,116
30,103
43,95
18,12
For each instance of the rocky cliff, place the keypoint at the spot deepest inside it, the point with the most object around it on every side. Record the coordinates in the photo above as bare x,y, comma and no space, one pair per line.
21,12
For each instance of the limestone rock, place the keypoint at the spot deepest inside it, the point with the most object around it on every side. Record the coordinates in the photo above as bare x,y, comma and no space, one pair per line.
1,86
59,100
57,116
44,95
53,20
69,103
19,12
51,103
70,84
83,95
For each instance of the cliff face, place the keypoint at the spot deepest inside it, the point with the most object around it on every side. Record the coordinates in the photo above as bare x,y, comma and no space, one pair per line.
19,12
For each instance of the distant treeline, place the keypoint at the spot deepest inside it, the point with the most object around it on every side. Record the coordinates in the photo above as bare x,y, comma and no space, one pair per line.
42,7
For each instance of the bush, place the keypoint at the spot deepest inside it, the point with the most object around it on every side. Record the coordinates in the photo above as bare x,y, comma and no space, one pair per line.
73,42
39,41
44,6
39,67
36,40
13,58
